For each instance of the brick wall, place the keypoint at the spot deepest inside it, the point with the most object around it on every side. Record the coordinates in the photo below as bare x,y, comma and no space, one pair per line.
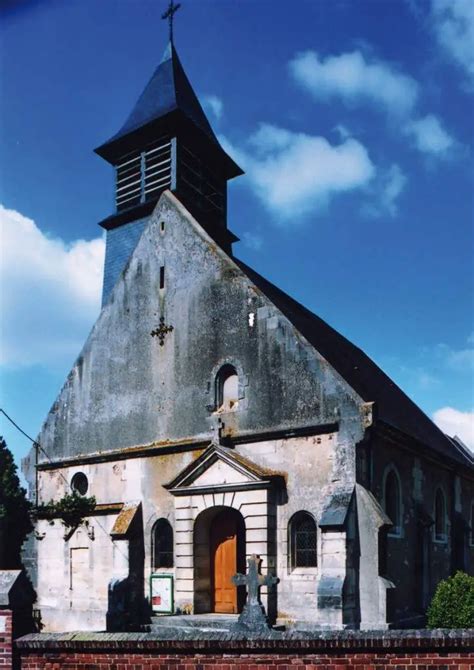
83,661
6,638
395,650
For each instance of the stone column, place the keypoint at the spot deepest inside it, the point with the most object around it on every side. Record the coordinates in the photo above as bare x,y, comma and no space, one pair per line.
6,638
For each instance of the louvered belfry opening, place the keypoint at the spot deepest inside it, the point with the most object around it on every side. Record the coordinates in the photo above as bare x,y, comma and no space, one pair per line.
167,163
141,176
200,186
165,143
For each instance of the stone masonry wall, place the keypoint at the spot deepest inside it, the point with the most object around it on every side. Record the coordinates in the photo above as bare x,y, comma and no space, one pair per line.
425,566
125,390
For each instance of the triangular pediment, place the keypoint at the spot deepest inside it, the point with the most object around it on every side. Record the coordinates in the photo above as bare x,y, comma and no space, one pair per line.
219,469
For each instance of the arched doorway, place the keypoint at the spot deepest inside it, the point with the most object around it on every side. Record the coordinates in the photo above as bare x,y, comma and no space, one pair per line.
227,558
219,552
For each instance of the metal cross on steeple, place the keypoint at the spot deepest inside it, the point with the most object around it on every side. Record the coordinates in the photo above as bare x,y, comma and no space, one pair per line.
169,14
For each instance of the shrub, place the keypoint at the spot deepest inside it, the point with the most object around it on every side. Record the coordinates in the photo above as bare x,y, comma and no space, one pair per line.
71,509
15,523
453,603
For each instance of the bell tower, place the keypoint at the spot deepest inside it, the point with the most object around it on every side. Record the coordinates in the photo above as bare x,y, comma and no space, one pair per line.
166,143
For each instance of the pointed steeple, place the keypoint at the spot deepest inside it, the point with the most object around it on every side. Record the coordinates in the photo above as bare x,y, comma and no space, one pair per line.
167,142
167,91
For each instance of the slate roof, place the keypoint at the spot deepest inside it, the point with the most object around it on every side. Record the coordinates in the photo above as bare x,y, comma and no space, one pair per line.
168,90
394,407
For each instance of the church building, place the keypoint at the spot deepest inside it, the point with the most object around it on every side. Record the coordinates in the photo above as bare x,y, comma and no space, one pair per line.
213,417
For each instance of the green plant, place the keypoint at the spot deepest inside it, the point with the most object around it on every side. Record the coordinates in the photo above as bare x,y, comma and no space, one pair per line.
72,508
15,522
453,603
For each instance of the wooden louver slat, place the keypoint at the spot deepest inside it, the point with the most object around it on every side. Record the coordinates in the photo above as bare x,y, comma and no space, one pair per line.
141,176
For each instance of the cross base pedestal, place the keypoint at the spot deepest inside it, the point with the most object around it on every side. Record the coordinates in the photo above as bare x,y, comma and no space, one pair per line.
252,620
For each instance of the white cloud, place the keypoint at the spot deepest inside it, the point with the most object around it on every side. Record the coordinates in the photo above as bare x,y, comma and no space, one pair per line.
271,138
213,104
394,183
456,423
453,24
429,136
458,360
351,77
294,173
252,241
342,131
387,189
425,380
300,172
461,360
356,80
50,291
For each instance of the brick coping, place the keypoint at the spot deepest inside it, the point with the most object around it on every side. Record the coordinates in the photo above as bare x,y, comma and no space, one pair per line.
208,642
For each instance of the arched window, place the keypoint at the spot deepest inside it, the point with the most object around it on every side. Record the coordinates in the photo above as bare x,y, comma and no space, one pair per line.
227,388
392,502
440,516
302,539
162,539
79,483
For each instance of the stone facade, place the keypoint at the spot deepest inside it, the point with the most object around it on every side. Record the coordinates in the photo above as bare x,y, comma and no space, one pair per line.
141,421
213,417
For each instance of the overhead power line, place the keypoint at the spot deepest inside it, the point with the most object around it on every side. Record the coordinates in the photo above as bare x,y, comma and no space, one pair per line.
38,446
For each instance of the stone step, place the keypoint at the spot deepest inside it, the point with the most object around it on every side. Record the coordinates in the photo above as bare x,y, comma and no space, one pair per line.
180,632
206,622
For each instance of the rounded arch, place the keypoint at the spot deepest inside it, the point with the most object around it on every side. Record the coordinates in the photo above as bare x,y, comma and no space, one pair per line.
439,513
211,526
392,499
302,541
221,373
80,483
227,387
162,544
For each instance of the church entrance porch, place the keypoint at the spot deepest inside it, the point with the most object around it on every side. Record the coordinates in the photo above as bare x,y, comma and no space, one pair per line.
219,553
224,509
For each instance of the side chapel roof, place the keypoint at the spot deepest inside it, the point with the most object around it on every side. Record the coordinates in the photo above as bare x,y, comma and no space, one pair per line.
394,407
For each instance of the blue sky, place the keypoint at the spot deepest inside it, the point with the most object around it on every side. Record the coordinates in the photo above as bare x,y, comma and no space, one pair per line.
353,121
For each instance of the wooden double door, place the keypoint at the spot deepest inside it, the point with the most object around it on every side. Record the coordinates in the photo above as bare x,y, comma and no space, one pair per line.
227,545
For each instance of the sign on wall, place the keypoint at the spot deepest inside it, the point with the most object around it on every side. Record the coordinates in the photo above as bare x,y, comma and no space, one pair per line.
162,596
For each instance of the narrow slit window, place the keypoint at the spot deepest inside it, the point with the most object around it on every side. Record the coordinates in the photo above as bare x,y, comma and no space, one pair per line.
392,502
162,226
162,276
440,530
472,524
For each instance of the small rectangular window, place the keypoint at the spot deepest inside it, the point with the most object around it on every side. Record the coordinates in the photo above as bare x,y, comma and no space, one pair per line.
162,276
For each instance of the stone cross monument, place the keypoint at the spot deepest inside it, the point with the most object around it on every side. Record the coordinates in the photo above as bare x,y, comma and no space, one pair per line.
253,619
